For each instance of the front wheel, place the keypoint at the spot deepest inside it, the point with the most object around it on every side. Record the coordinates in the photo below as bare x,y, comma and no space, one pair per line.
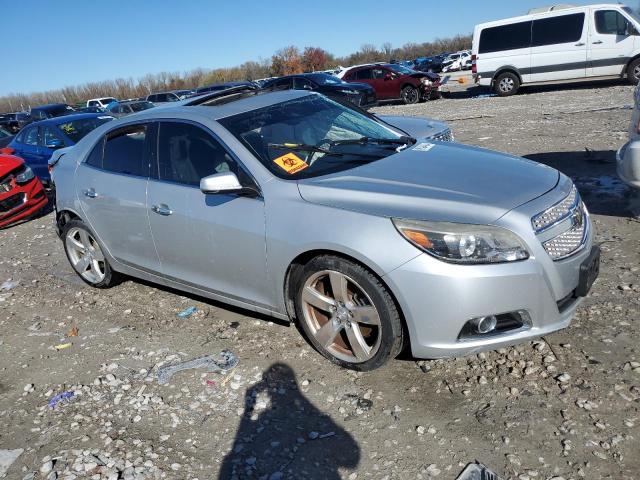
410,95
506,84
86,257
347,314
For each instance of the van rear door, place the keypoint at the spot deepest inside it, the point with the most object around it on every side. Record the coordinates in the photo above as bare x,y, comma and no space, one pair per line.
559,47
611,43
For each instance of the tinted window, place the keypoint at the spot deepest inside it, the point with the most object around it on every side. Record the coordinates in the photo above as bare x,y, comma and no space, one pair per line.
302,84
364,74
505,37
610,22
151,98
562,29
187,153
378,73
30,137
77,129
124,151
95,157
50,137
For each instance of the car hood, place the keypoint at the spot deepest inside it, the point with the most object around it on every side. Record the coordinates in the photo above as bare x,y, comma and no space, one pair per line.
9,163
417,127
448,182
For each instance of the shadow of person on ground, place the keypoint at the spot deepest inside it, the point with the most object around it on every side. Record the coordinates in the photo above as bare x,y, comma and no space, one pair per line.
283,435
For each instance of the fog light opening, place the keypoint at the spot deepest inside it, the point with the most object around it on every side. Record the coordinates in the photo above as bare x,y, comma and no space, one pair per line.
486,324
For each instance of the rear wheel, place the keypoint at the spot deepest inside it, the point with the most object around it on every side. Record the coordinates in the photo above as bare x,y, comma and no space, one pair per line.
633,72
410,95
86,257
347,314
506,84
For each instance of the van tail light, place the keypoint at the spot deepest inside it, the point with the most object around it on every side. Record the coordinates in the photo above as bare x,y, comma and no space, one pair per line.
474,67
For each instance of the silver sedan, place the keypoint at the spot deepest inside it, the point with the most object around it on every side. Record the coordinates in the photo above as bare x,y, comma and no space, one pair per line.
293,205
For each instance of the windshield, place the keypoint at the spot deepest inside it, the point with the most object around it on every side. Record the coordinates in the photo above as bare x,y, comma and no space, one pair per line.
301,138
107,101
325,79
401,69
632,13
77,129
139,106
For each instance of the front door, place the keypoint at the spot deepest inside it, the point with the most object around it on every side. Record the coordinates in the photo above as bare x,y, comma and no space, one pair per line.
212,242
27,147
111,186
611,43
559,47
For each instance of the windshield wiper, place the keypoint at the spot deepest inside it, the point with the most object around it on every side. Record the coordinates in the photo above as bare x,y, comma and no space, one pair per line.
404,140
303,147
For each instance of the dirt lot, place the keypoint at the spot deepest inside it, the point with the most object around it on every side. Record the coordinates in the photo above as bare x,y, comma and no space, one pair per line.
566,406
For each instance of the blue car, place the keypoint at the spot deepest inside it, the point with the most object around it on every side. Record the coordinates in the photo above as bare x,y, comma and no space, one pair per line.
37,141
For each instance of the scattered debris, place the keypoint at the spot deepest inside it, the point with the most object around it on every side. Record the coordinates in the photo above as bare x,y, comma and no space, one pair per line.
60,397
9,285
73,332
226,361
62,346
7,457
477,471
187,312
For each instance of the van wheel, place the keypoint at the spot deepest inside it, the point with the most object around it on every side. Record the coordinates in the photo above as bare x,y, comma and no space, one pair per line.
410,95
633,72
506,84
347,314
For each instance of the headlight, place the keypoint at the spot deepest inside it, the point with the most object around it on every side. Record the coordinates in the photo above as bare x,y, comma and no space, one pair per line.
25,175
426,81
463,243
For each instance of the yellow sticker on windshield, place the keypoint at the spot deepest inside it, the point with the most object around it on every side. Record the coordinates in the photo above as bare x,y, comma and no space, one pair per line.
290,163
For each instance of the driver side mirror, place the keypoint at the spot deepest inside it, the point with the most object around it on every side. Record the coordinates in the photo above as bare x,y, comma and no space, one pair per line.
225,183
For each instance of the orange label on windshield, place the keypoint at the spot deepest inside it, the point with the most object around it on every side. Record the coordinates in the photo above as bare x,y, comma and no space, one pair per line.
290,163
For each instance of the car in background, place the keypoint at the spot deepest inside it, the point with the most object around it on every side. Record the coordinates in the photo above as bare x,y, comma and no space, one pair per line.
90,110
5,137
36,142
51,110
13,122
21,193
163,97
628,157
102,102
217,87
359,94
457,62
183,94
395,82
128,107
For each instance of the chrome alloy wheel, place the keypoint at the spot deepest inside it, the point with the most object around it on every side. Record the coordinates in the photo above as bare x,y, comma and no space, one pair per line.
85,255
341,316
506,85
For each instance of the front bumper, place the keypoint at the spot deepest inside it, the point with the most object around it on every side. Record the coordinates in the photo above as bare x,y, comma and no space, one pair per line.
439,299
628,163
22,202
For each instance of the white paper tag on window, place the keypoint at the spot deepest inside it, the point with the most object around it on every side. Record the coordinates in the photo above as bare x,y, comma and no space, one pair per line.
424,147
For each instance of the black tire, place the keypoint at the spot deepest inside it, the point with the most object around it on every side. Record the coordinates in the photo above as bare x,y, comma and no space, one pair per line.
633,72
410,95
111,277
391,331
435,95
506,84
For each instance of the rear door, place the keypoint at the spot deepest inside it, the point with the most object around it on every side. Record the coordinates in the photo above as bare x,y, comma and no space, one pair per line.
212,242
559,47
111,186
611,43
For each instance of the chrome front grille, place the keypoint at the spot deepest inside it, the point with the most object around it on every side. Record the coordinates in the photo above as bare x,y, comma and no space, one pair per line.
571,213
444,136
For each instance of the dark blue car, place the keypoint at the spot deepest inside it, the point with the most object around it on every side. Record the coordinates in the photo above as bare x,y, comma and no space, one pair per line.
37,141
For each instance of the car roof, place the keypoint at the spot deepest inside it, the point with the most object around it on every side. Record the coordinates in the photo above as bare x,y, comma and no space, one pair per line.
69,118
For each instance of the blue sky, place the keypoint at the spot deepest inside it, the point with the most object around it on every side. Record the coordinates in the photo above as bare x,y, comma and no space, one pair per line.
69,42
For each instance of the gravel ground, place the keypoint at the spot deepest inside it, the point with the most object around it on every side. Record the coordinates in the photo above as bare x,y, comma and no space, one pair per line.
566,406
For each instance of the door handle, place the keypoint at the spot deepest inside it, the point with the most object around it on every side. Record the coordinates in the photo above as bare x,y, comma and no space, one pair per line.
162,209
91,193
597,42
580,44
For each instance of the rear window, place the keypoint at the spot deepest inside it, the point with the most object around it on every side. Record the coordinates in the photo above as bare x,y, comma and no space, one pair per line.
77,129
505,37
555,30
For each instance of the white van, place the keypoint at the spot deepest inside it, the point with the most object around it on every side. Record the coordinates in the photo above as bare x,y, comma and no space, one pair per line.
557,44
100,102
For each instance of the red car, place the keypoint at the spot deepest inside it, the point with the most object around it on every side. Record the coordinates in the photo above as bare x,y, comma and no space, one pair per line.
395,82
21,193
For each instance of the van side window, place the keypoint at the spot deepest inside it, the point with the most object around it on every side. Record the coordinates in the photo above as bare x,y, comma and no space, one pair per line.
556,30
610,22
505,37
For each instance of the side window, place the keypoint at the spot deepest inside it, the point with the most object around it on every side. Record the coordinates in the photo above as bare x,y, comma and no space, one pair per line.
50,137
95,157
555,30
151,98
364,74
610,22
505,37
93,103
38,115
161,97
187,153
282,84
31,137
302,84
124,151
378,73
